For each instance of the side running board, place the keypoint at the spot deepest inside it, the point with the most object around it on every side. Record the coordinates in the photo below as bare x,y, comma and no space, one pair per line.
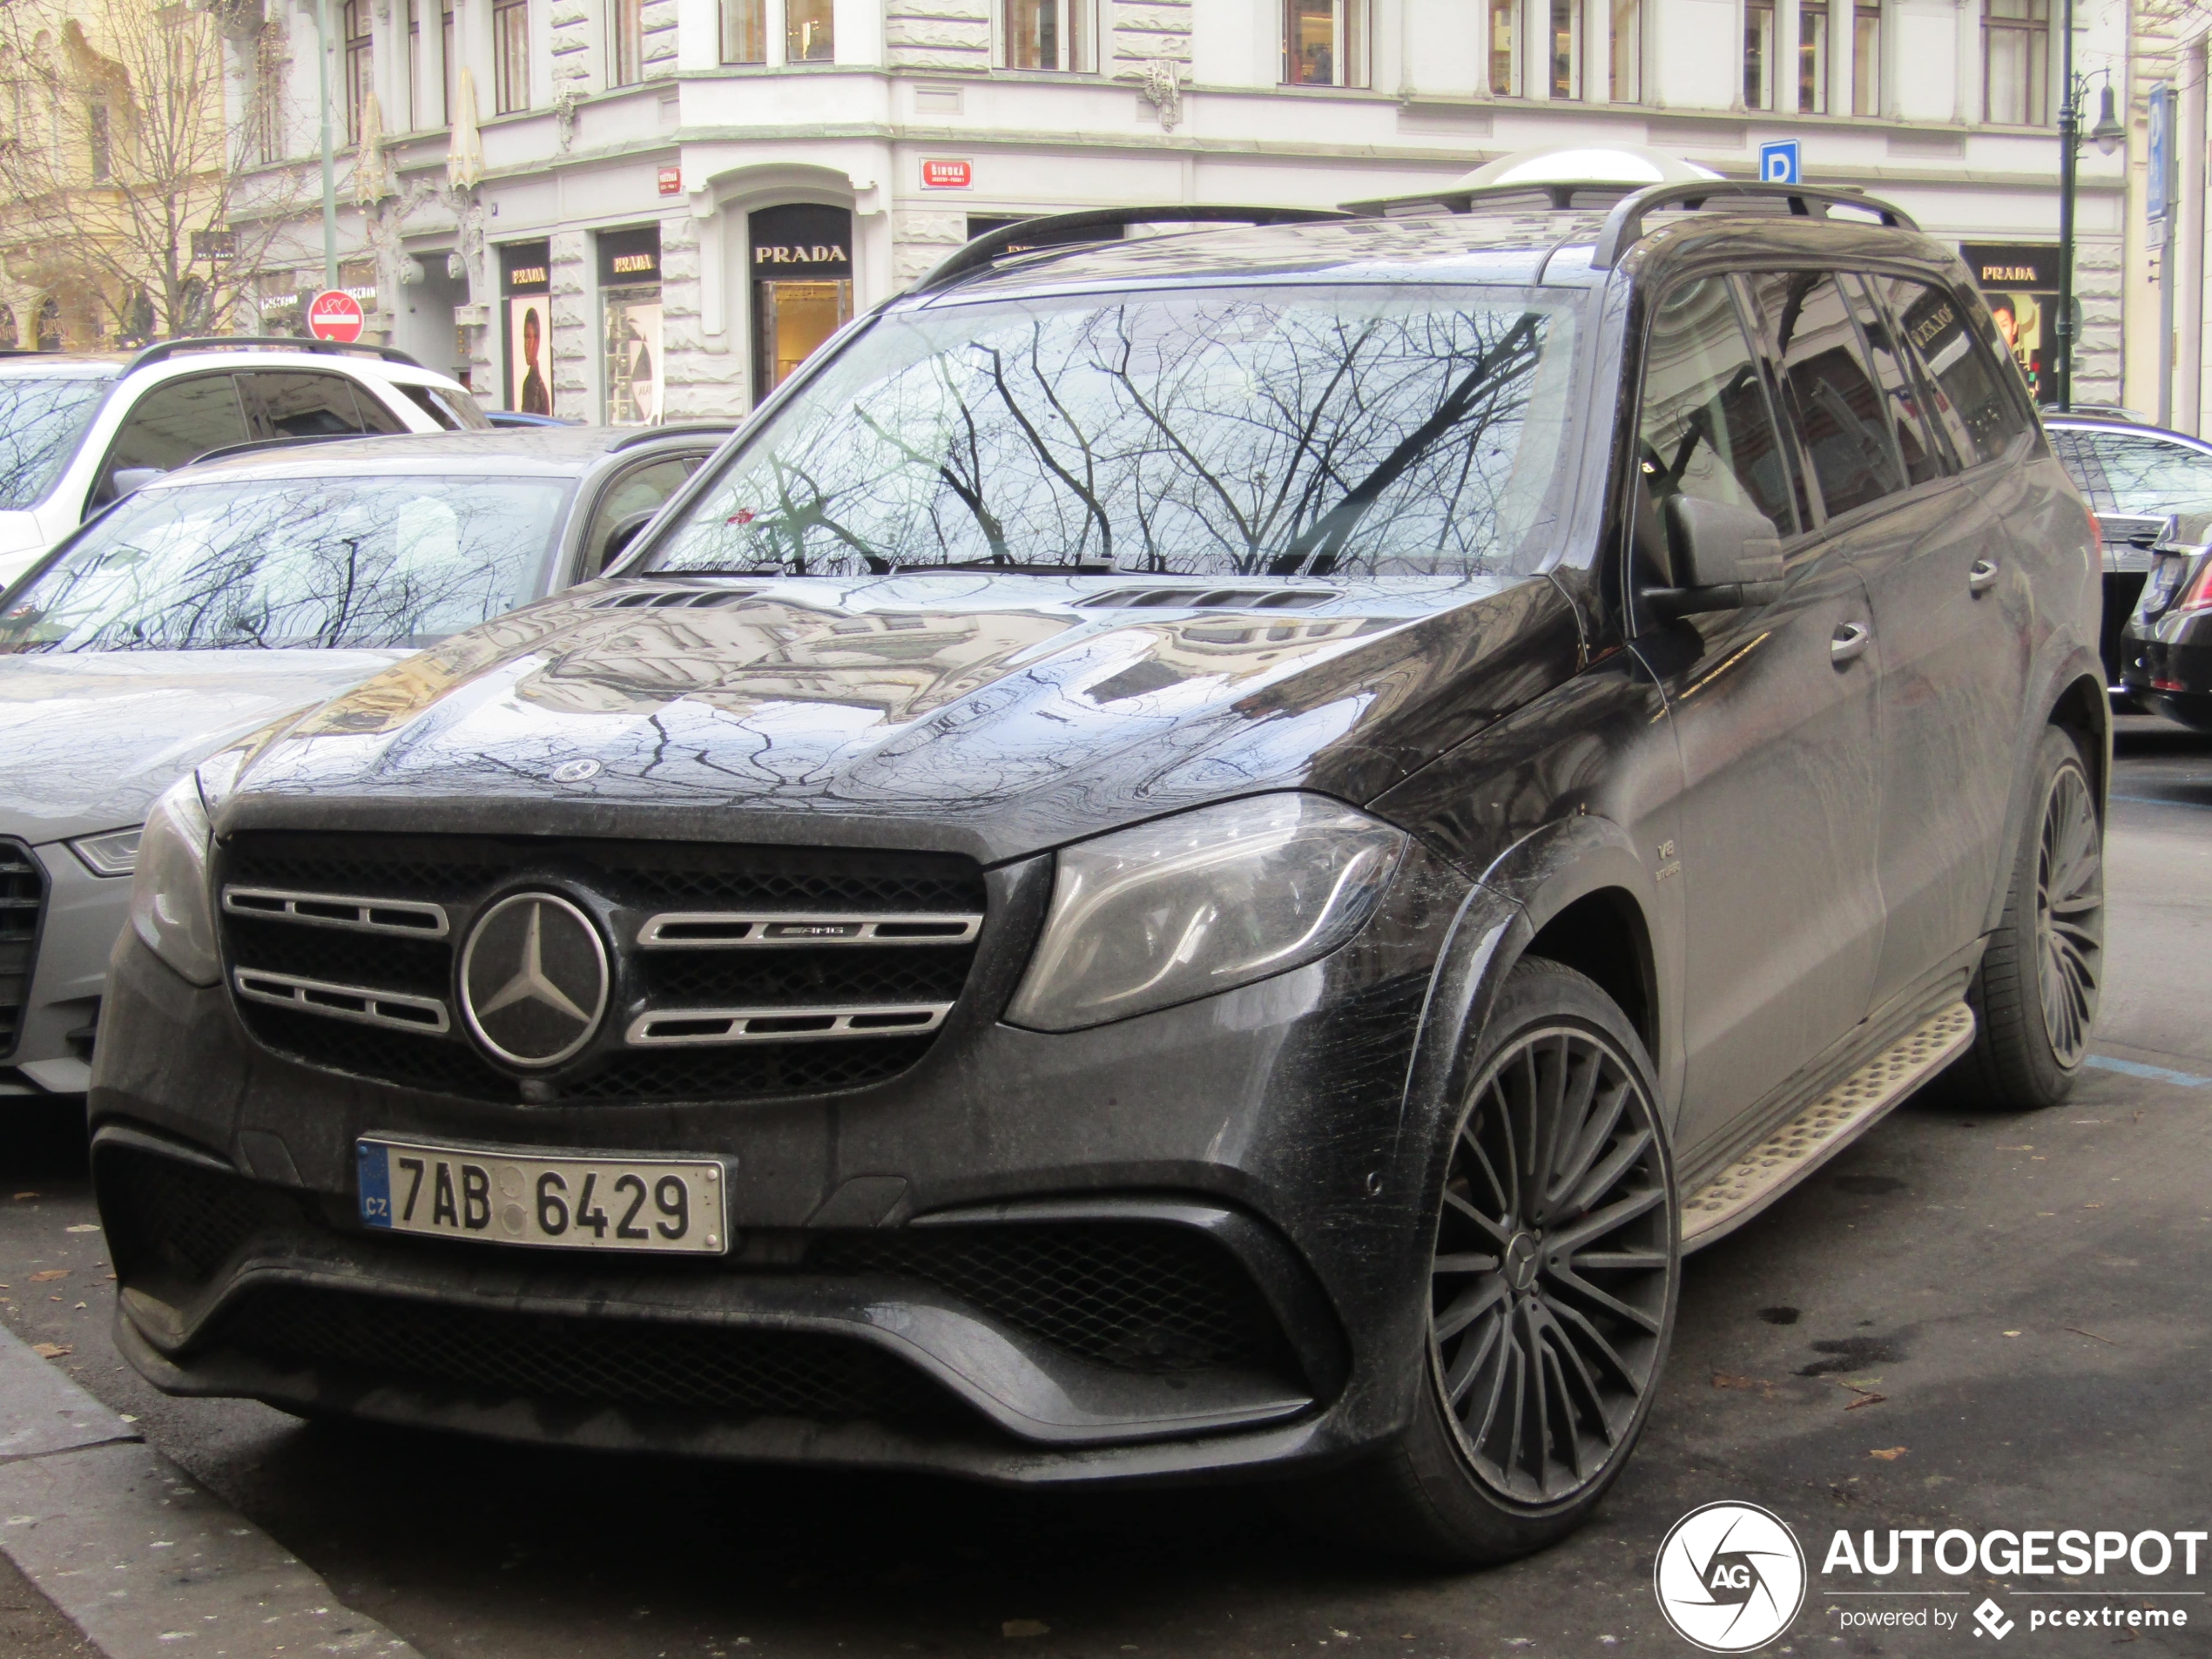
1823,1129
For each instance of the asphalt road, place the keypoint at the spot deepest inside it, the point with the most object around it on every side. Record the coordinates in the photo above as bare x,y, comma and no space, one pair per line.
1967,1320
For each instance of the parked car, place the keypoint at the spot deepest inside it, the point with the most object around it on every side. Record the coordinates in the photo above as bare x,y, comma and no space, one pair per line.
516,418
2136,478
1195,856
79,430
225,595
2166,650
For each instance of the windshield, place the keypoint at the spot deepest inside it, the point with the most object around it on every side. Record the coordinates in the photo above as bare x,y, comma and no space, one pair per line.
296,561
1247,432
40,421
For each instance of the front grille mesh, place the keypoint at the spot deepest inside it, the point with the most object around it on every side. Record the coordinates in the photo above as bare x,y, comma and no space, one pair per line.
463,872
599,1361
183,1218
23,895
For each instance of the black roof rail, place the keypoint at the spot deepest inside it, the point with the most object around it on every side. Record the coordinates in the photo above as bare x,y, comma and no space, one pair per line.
1558,197
253,445
648,435
165,349
992,244
1624,225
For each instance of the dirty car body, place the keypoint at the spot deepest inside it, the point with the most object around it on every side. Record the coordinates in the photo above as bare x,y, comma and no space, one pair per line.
838,777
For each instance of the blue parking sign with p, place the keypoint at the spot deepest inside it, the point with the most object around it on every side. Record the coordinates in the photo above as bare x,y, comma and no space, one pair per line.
1778,163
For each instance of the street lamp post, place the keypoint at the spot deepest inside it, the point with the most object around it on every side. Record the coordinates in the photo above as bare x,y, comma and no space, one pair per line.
2106,135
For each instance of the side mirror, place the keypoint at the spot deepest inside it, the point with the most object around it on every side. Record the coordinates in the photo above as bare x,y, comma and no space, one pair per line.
1725,556
127,479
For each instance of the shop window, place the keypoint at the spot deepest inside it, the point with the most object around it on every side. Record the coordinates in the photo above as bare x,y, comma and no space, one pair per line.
801,262
1045,34
1505,48
1758,54
629,53
1325,42
629,313
744,31
810,35
511,55
525,285
360,60
2016,62
1625,52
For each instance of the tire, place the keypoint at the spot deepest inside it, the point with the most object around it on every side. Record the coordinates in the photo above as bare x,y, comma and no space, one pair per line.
1472,1479
2035,994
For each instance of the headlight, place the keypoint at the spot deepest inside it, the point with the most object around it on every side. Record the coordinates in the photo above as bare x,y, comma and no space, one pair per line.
169,904
113,854
1198,903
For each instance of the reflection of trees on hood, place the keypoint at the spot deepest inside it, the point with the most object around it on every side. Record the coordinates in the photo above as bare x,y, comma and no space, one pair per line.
306,563
1220,434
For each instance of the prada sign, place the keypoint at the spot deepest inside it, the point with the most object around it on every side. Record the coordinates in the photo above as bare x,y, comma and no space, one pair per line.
800,241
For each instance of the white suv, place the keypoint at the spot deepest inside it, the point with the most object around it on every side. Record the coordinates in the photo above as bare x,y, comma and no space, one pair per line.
78,430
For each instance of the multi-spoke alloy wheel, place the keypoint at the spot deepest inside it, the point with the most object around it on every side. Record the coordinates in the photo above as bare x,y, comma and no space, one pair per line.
1552,1283
2070,915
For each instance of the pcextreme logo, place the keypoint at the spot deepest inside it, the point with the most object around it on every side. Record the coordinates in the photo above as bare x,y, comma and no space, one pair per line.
1729,1578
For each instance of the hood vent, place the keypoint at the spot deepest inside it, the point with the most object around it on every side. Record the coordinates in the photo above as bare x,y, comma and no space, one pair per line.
1209,598
675,598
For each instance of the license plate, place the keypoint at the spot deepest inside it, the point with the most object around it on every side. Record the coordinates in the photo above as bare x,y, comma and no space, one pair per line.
554,1202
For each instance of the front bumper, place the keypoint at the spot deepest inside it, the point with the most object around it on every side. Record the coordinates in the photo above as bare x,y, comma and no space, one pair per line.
1118,1199
56,996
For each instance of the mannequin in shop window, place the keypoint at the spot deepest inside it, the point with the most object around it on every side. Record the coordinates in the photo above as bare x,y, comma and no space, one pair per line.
536,400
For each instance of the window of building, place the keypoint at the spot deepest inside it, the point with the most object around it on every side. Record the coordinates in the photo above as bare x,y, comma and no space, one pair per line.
1505,48
265,97
511,55
2016,62
1758,54
627,55
1045,34
360,67
452,70
810,34
98,137
1627,52
1565,41
1812,56
1867,58
744,31
1325,42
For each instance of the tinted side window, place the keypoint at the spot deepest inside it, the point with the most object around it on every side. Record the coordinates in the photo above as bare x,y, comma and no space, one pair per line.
1705,429
1916,439
173,424
2149,474
640,490
303,405
1839,411
376,416
1976,408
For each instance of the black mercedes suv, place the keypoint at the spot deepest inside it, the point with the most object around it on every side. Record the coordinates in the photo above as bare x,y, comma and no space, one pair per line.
1193,855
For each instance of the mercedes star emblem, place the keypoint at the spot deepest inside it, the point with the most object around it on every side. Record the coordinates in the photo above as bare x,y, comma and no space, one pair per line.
534,979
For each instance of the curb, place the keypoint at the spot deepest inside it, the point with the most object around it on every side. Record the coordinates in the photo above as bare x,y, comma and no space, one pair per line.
137,1554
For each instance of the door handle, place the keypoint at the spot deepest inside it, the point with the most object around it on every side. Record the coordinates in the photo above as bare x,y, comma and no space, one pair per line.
1851,639
1982,575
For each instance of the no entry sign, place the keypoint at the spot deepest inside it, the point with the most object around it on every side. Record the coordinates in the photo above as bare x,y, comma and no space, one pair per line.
334,315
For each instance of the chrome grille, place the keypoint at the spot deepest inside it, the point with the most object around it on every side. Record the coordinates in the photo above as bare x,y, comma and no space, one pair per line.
788,970
22,897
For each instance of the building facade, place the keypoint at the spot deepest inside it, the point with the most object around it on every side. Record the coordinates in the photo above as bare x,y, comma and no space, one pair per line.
643,210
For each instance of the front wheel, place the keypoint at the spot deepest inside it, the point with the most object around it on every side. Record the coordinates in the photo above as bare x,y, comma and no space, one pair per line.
2035,995
1552,1274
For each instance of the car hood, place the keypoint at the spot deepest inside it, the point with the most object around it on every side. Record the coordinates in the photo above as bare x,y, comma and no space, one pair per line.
992,714
89,738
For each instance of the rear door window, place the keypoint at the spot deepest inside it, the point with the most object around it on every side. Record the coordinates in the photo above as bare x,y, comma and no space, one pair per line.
1983,415
301,404
173,424
1706,430
1838,408
1917,442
